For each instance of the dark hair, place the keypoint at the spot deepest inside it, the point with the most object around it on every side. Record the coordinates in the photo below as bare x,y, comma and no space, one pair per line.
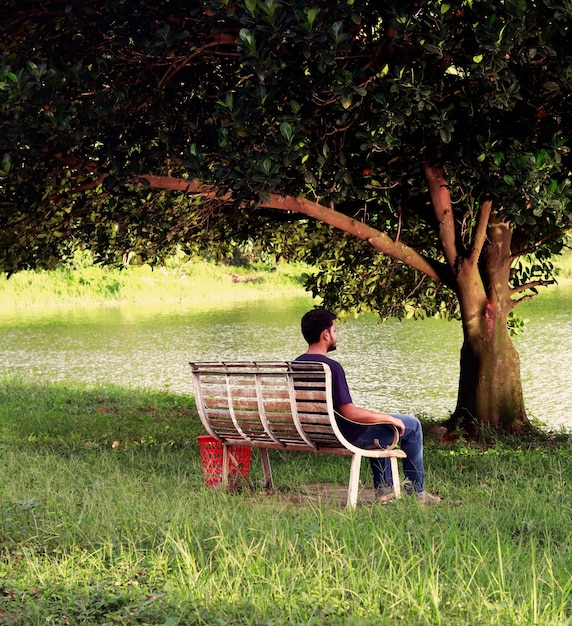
314,322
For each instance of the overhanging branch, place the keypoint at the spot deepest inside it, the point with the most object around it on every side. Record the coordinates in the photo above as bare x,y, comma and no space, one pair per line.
539,242
379,240
531,285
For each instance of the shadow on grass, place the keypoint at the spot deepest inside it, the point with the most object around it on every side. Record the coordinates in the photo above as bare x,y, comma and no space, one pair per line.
84,420
83,416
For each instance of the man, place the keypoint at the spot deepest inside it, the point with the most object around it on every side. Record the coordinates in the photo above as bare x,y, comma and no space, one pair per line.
362,426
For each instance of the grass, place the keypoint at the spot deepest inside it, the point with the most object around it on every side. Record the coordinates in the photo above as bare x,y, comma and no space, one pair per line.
186,282
105,519
564,264
197,282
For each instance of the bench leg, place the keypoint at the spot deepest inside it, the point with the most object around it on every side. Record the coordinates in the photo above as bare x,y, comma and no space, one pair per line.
225,460
354,481
395,475
266,469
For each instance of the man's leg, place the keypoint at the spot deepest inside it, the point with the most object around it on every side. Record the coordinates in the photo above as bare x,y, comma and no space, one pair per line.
411,443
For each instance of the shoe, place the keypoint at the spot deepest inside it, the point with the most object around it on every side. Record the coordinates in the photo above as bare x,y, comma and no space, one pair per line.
384,495
427,499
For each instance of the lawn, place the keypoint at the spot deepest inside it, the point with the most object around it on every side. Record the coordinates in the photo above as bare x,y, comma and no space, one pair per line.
105,519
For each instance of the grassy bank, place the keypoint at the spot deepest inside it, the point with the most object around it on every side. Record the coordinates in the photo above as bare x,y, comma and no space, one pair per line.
104,519
194,282
200,282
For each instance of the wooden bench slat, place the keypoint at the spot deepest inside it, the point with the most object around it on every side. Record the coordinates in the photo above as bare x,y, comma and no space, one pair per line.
269,404
278,405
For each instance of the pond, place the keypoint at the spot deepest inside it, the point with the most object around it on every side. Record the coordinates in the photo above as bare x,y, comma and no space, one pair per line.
396,367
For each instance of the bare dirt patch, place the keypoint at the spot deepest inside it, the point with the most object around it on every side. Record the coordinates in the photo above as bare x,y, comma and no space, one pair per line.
330,494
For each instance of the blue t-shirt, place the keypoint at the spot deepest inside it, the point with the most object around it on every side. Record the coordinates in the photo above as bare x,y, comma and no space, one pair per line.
341,393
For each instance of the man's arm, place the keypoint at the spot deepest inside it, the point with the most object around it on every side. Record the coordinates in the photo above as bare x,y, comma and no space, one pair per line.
367,418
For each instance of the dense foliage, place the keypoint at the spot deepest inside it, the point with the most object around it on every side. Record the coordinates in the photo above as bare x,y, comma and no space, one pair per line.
436,133
340,103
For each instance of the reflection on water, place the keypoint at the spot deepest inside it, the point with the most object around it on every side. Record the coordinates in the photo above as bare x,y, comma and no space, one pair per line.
399,366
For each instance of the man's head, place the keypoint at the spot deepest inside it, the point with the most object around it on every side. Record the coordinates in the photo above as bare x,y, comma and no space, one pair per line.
315,322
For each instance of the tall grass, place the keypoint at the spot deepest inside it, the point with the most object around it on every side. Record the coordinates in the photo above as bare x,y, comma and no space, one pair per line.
105,519
178,281
191,282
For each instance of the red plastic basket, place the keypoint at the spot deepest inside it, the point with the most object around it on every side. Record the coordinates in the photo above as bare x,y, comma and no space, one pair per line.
212,462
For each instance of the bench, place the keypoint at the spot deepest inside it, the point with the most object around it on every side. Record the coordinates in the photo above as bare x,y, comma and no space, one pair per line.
279,405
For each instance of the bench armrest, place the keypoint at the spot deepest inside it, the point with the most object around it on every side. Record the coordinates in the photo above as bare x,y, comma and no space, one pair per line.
395,438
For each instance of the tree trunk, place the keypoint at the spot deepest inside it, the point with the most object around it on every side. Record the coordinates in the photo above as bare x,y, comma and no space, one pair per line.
490,389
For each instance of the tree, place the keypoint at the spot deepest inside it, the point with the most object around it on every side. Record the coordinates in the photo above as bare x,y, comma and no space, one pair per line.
417,151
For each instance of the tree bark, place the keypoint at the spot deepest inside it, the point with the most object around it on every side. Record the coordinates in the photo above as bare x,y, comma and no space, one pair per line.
490,388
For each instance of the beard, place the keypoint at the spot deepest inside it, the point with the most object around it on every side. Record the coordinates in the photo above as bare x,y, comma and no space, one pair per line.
332,346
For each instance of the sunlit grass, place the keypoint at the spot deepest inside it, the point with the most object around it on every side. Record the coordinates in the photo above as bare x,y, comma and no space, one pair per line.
105,519
192,282
564,264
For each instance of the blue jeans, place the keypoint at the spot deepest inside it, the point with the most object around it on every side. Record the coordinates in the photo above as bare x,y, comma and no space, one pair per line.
411,443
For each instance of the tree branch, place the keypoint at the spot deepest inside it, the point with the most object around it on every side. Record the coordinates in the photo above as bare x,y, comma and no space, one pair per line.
84,187
531,285
532,248
377,239
441,200
481,231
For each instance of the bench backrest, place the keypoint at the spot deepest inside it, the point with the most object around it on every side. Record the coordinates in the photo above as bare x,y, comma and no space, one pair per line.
273,404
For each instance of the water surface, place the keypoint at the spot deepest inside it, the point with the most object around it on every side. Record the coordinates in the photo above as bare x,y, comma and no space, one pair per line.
398,366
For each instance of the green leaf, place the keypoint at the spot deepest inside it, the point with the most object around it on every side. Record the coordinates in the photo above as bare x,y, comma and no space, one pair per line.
445,135
246,37
286,131
311,14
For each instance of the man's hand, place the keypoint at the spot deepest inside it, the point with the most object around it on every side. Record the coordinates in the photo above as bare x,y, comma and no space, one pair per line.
398,424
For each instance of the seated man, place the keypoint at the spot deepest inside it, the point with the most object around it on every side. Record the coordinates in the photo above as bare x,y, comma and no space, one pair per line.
362,426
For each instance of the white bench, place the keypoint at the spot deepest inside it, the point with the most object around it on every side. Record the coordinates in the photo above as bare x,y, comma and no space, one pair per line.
280,405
